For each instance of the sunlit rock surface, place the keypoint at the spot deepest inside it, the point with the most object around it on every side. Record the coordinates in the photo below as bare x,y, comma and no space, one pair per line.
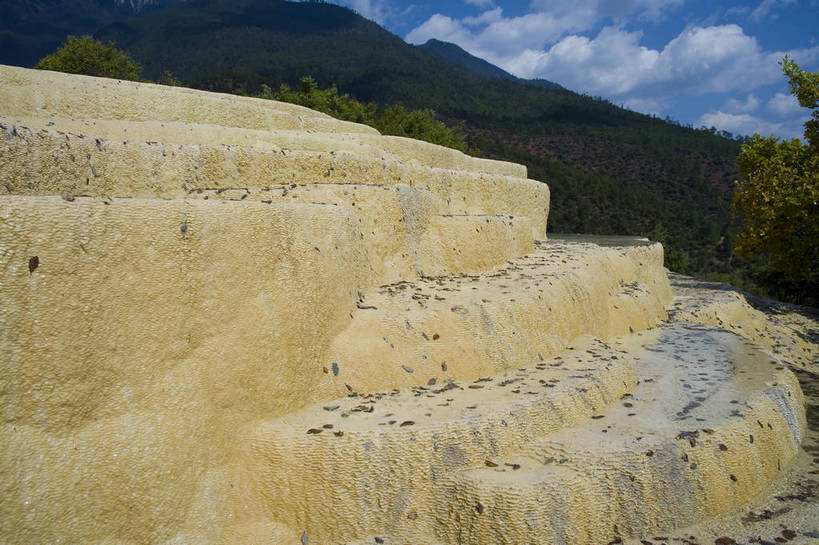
231,320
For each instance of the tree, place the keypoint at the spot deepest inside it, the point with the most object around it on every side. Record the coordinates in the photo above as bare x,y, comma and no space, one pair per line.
420,124
324,100
395,120
91,57
778,195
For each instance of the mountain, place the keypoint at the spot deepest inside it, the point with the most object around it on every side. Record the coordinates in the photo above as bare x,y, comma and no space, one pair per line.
457,55
31,29
610,170
135,7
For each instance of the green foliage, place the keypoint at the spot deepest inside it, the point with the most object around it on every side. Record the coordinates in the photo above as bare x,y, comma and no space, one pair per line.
91,57
395,120
420,124
805,86
169,79
674,259
324,100
778,197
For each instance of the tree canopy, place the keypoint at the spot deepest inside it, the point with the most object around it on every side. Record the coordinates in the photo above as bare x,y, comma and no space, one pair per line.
91,57
778,196
394,120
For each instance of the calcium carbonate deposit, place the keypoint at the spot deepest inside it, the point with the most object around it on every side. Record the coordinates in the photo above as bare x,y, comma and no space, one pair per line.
232,320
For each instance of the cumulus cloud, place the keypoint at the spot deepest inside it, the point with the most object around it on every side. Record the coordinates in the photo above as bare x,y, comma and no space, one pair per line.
479,3
499,37
747,124
485,18
493,36
764,9
781,116
646,105
744,124
734,105
785,105
614,9
700,60
375,10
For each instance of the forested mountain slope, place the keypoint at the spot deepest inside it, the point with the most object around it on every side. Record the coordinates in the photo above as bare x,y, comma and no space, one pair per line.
31,29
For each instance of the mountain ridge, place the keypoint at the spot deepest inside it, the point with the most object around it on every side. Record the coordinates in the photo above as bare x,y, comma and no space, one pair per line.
456,54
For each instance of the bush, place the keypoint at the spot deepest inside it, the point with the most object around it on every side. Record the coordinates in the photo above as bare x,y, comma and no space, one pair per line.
395,120
92,58
419,124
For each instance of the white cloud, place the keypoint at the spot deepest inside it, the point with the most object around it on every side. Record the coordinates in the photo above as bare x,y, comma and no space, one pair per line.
502,37
736,123
785,105
746,124
614,9
652,106
612,63
764,9
743,10
479,3
375,10
487,17
734,105
701,60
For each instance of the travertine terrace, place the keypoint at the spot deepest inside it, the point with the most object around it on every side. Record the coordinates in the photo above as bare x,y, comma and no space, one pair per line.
231,320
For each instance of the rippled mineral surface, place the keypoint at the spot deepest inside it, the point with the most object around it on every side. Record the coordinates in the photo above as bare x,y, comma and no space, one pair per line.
232,320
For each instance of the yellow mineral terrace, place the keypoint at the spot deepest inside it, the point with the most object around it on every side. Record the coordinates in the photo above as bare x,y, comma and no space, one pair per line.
232,320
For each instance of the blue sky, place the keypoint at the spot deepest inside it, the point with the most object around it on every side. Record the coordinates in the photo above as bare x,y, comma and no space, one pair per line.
700,62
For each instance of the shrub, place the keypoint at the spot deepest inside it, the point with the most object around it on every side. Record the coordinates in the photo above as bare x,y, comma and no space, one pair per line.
92,58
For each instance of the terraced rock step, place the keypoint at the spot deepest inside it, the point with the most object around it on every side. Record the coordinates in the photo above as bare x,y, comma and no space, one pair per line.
484,324
384,461
36,94
51,161
711,423
572,450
